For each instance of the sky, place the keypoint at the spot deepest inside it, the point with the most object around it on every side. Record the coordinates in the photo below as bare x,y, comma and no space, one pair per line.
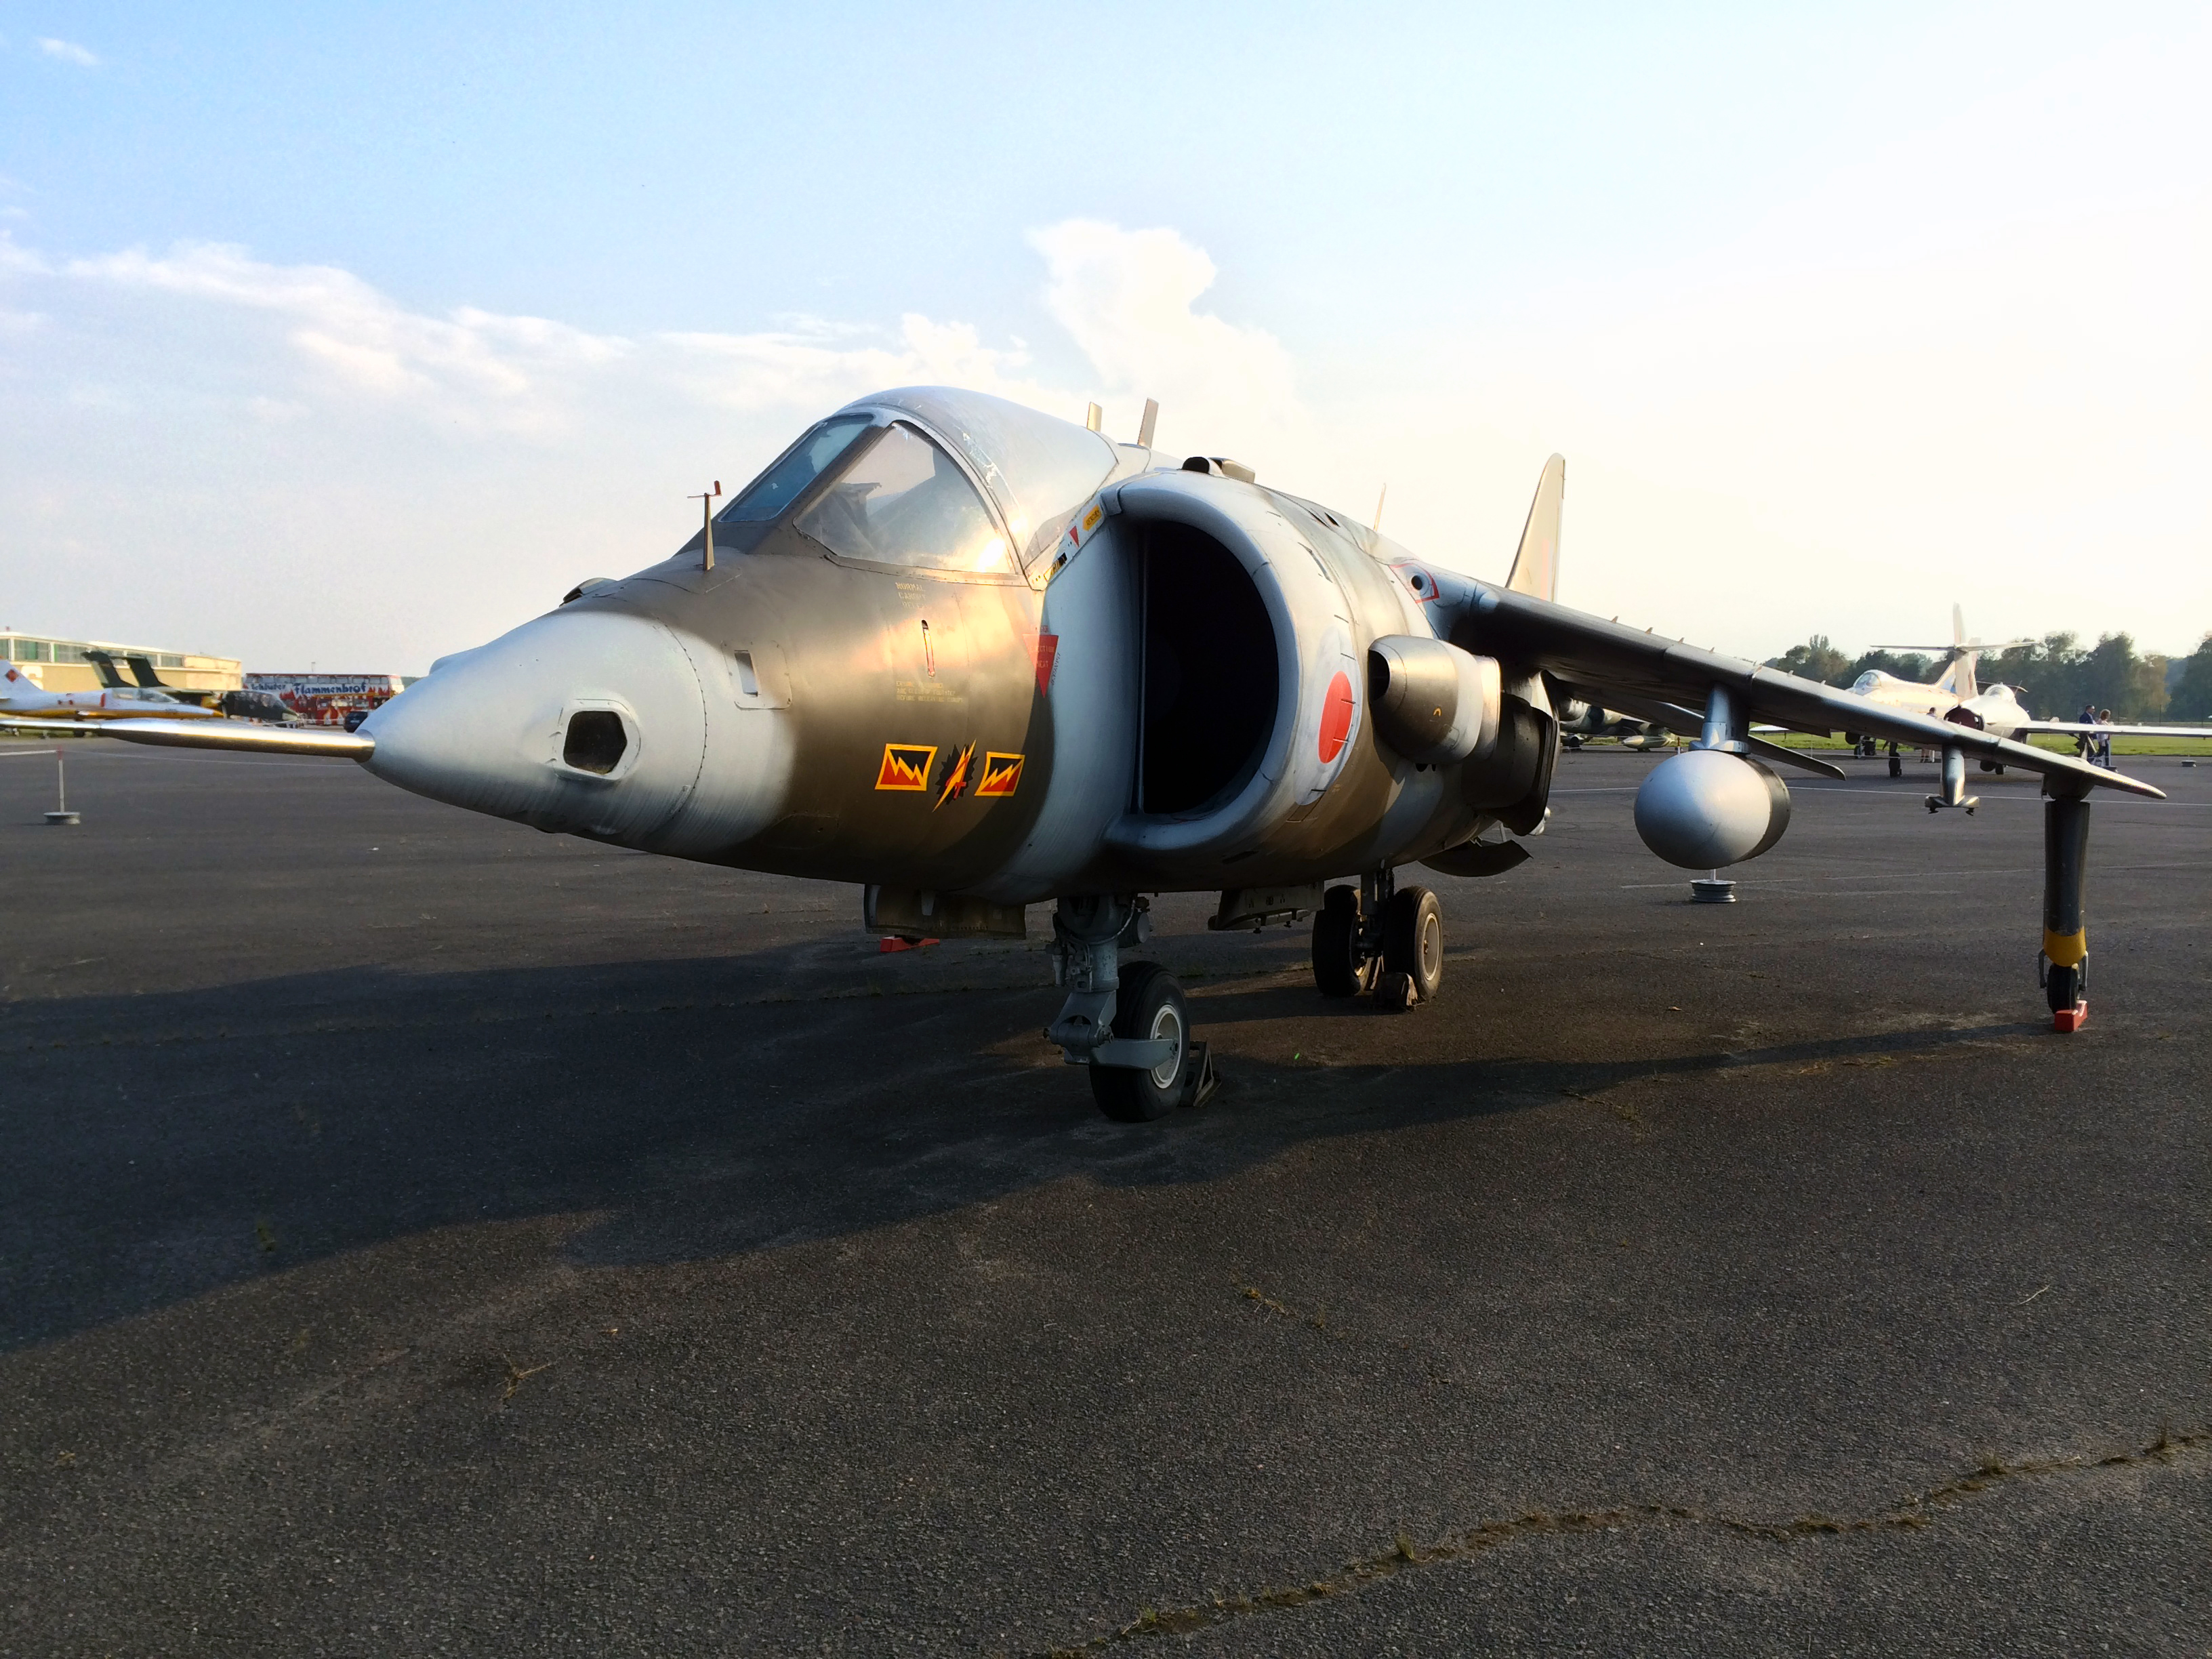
355,337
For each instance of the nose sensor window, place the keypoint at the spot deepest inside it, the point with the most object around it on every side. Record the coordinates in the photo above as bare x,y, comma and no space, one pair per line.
596,741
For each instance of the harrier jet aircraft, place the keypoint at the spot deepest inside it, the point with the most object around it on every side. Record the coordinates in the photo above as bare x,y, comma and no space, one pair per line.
972,659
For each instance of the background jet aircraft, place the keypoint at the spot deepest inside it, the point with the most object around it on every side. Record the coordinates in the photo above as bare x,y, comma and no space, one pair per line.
1954,696
142,676
971,659
233,705
1581,721
22,702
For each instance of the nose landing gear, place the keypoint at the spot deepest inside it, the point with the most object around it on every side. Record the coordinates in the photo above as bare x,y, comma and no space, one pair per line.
1130,1027
1380,938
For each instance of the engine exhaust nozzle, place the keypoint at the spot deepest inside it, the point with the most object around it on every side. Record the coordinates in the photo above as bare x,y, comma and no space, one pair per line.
1433,701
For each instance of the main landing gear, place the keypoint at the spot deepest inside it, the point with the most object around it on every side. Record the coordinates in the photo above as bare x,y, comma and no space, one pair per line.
1129,1025
1380,938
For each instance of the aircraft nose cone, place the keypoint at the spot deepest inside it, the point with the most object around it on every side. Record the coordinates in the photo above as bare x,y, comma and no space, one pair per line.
588,722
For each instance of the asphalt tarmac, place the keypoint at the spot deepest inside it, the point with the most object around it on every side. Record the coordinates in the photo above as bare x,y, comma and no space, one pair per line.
420,1234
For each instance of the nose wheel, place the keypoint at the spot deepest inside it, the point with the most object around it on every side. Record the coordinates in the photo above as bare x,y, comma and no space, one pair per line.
1149,1009
1381,938
1128,1025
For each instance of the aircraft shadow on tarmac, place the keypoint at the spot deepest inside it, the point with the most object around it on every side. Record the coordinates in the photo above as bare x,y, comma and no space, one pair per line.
166,1145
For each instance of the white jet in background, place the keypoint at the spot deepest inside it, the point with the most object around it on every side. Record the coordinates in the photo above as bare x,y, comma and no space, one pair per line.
24,701
1997,709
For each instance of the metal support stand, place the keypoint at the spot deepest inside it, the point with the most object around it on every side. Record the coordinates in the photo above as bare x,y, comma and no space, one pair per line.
1087,937
1712,888
62,814
1954,783
2064,966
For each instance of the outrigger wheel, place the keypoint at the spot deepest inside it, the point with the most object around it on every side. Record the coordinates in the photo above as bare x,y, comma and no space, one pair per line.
1149,1007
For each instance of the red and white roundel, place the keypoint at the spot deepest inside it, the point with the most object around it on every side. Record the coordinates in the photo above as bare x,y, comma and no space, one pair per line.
1328,715
1336,711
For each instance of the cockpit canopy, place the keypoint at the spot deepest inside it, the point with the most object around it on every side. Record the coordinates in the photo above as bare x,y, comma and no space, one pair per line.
1869,680
933,476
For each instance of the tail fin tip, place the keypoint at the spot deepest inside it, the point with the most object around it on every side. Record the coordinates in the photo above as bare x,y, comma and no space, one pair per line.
1537,565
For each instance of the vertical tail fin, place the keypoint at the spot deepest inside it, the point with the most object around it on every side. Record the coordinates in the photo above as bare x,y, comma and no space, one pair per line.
1959,677
1536,566
111,677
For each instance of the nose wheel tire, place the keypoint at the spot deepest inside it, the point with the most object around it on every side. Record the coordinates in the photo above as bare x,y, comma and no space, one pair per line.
1338,967
1148,1006
1413,939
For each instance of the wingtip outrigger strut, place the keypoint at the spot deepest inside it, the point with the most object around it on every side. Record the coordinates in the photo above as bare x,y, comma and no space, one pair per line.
2064,963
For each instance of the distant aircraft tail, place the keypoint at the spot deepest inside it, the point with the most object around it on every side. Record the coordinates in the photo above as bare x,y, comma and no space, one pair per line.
111,677
1536,566
1959,677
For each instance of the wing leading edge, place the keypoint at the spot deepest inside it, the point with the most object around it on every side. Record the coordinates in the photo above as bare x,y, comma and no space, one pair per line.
2077,728
1606,663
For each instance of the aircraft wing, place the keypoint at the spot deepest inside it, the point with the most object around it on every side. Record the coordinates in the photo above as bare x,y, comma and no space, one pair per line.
2075,728
1606,663
30,726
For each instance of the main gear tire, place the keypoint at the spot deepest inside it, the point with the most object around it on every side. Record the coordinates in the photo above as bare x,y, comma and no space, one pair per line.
1148,1005
1337,968
1413,939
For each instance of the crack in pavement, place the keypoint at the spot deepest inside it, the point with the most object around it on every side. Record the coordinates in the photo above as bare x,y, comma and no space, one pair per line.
1916,1510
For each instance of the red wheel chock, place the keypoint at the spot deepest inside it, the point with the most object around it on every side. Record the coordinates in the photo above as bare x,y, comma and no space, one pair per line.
894,942
2071,1020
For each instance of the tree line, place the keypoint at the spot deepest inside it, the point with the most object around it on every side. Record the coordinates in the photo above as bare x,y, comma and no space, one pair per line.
2054,676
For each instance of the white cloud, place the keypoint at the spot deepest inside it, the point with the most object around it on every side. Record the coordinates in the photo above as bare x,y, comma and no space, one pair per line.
1125,296
299,418
67,51
1129,300
350,335
1768,439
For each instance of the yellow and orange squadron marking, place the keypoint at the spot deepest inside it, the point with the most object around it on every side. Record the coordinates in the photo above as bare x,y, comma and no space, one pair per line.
906,766
957,779
1002,776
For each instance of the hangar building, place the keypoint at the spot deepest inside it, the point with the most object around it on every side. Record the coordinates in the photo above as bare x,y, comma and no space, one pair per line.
58,664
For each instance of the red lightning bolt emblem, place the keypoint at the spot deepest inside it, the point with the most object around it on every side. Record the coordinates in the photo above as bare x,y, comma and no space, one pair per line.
957,779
